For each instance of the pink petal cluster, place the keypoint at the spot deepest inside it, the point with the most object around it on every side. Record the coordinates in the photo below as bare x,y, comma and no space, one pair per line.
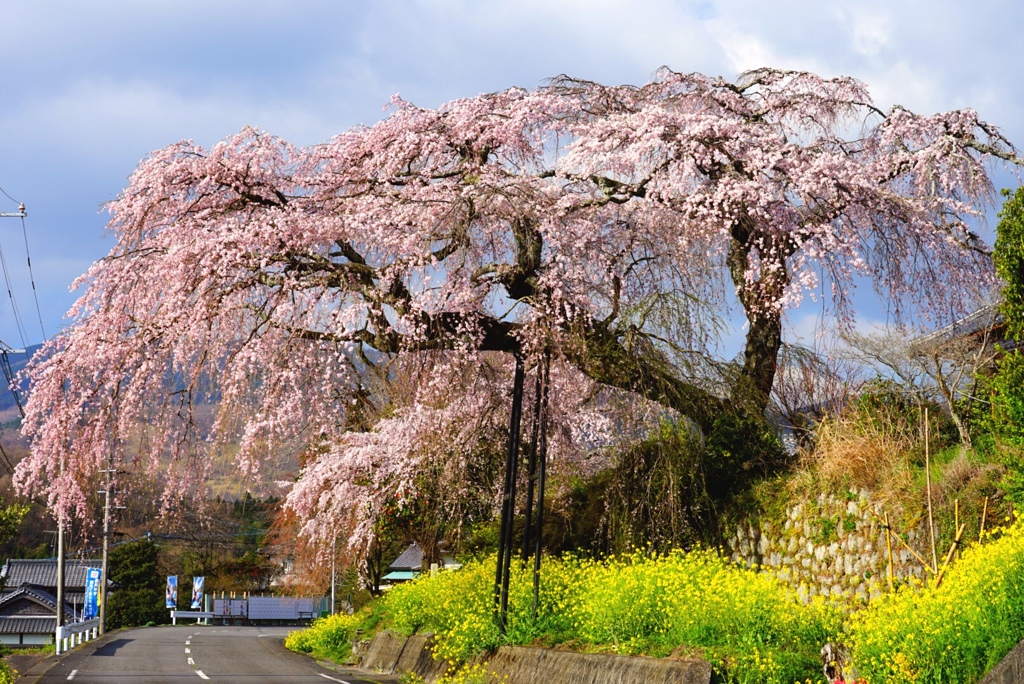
271,281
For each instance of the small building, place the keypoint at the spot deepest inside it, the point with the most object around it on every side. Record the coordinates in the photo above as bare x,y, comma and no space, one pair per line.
28,601
409,564
28,617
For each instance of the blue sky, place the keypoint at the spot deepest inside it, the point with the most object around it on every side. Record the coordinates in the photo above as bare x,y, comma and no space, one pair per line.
87,89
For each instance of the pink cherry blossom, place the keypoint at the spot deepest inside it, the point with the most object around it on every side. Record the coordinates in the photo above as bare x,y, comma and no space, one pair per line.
611,225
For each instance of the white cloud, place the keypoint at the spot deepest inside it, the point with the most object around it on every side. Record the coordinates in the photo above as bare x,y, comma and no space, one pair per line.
90,88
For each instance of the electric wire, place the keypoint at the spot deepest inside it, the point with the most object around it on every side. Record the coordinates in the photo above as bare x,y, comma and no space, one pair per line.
10,295
8,196
32,279
8,464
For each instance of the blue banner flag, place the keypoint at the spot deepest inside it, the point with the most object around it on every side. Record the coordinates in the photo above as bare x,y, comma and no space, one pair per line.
172,591
197,592
92,593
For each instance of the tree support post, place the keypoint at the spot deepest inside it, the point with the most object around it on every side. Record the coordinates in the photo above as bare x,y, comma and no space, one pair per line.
505,546
541,464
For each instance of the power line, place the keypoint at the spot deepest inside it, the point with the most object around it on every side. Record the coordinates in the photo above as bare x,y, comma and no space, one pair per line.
8,196
31,275
32,278
10,295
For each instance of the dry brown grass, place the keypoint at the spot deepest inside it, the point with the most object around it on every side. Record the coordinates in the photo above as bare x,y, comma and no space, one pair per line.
871,453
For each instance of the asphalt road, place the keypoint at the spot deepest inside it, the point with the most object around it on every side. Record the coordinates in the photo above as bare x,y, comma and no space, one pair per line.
254,655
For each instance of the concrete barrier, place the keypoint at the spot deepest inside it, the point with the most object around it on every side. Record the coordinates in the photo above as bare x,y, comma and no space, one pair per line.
417,656
1010,669
521,665
383,653
68,636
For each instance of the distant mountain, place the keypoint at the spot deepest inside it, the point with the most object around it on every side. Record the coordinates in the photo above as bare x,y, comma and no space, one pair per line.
18,361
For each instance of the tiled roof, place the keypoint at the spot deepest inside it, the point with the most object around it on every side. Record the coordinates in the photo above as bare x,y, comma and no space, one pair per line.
40,596
410,559
43,573
28,625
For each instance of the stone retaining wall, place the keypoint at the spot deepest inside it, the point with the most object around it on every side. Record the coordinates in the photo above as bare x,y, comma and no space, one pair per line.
830,546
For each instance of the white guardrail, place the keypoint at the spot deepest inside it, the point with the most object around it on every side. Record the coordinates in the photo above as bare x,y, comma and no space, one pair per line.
192,614
69,636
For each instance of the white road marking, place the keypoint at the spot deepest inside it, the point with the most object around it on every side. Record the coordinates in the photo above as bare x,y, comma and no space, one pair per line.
188,650
191,662
188,642
72,675
201,675
342,681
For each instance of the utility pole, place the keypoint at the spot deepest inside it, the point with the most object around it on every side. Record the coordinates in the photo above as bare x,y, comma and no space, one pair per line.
106,550
60,578
334,556
15,214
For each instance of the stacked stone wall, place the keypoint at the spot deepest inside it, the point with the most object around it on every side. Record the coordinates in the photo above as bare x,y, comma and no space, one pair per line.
831,545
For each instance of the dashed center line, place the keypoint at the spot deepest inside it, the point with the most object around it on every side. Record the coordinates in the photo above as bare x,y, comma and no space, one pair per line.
201,675
188,650
72,675
191,662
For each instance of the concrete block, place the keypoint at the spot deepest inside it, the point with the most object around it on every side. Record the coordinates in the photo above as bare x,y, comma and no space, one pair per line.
523,665
384,652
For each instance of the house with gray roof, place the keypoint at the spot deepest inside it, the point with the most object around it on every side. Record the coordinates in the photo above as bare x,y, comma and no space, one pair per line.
28,616
409,564
28,601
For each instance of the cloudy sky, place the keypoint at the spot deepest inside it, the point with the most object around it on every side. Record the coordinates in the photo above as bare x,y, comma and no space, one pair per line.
87,89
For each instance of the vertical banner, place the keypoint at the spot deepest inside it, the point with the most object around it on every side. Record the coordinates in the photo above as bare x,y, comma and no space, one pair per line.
92,593
172,591
197,592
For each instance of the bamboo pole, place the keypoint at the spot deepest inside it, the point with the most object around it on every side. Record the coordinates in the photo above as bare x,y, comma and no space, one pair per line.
928,490
907,546
949,556
984,513
956,522
888,546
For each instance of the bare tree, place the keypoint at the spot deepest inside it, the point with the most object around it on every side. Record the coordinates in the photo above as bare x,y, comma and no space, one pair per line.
811,383
940,366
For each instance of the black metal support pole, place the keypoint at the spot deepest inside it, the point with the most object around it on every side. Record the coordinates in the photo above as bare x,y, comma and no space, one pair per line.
509,500
542,469
531,468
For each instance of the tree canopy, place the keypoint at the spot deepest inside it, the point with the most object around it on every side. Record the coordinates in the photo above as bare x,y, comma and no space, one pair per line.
612,226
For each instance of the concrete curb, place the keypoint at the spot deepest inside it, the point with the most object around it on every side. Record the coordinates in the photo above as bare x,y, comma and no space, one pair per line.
1010,669
396,654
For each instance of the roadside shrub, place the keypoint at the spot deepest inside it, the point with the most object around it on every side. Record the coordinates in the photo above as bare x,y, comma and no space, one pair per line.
954,633
748,624
328,637
7,675
132,607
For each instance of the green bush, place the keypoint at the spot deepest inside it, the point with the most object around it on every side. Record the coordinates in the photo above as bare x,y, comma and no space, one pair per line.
955,633
328,637
134,565
7,675
134,607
